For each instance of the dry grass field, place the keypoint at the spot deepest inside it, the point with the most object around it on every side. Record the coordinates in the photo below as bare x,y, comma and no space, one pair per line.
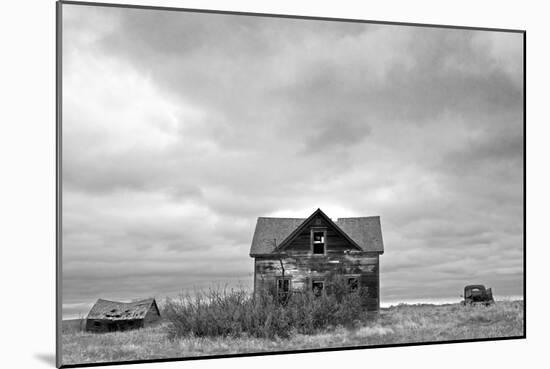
397,324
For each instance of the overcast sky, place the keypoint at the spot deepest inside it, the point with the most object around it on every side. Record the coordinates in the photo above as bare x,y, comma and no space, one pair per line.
180,129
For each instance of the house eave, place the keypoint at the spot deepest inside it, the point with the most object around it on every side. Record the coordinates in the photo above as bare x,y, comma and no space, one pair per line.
268,254
272,254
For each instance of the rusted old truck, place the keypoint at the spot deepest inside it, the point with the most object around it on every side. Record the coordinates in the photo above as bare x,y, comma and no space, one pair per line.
477,294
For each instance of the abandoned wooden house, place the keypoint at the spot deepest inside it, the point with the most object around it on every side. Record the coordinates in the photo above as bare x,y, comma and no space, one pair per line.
293,254
109,316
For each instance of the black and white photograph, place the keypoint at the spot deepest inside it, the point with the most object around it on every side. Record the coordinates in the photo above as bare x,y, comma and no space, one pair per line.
240,184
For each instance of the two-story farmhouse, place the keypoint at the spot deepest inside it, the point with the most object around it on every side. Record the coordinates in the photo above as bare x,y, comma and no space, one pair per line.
291,254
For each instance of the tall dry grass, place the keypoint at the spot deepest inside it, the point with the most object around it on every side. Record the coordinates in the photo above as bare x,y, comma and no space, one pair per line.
236,313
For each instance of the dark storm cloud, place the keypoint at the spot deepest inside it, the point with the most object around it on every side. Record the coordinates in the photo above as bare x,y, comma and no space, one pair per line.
181,128
337,133
503,148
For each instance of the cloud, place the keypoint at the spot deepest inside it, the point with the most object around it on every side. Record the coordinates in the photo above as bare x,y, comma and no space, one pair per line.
179,129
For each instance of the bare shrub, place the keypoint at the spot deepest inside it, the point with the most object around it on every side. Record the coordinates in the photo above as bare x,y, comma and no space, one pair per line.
236,313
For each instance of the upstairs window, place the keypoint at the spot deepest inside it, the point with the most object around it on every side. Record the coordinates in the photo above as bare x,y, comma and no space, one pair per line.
319,242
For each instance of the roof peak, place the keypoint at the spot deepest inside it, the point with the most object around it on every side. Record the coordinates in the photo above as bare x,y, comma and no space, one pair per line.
293,218
313,215
127,302
319,210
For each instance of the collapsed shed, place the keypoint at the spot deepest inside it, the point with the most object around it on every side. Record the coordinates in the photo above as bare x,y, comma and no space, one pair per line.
110,316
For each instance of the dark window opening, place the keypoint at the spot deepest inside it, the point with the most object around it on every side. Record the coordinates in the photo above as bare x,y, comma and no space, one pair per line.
317,287
283,289
353,284
318,242
97,324
474,292
318,249
283,285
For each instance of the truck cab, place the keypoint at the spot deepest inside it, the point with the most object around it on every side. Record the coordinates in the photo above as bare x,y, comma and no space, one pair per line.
478,294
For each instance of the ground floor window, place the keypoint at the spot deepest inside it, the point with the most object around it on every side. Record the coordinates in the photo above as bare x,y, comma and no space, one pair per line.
283,288
317,287
353,284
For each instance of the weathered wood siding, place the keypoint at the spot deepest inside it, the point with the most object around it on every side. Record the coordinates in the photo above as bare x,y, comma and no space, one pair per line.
304,267
106,325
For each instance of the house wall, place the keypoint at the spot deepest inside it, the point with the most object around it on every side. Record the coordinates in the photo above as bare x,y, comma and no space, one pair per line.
303,267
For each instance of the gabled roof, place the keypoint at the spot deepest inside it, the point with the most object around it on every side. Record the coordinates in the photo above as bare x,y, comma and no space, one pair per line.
113,310
273,233
270,232
365,231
